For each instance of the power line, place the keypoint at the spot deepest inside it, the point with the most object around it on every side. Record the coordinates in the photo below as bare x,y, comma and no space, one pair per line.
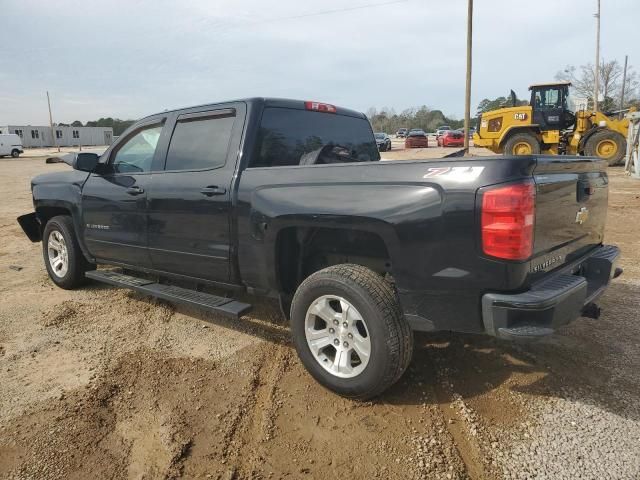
329,12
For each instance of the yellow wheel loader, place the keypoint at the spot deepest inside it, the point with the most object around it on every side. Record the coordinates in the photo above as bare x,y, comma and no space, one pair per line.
549,125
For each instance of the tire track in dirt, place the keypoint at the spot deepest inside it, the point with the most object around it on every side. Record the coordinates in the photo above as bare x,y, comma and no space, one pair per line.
253,423
460,423
467,446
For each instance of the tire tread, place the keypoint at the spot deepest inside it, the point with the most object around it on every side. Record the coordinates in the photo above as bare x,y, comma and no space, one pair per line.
400,339
78,264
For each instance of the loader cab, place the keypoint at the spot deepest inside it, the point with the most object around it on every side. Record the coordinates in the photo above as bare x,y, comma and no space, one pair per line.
549,103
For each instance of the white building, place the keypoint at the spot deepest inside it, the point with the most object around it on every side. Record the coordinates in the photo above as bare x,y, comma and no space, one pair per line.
41,136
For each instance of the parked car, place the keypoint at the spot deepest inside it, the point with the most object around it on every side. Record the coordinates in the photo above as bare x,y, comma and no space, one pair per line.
401,133
287,199
383,141
416,139
442,129
10,144
451,138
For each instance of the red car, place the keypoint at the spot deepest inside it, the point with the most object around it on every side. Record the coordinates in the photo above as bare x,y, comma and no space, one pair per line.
416,139
451,138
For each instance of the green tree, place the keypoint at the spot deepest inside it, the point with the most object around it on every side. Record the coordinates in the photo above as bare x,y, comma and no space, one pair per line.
387,120
119,126
486,105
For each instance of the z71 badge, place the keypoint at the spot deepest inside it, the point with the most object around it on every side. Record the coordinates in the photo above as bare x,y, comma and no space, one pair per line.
460,174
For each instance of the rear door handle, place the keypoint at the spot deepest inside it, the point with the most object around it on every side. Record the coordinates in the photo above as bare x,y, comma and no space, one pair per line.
212,190
135,190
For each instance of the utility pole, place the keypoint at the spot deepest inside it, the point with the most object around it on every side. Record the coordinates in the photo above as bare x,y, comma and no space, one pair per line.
53,134
624,81
597,82
467,97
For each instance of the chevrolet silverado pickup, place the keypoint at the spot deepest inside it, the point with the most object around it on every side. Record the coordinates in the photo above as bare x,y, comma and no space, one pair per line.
289,199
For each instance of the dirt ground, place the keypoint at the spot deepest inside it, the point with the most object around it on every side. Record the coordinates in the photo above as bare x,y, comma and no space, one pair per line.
104,383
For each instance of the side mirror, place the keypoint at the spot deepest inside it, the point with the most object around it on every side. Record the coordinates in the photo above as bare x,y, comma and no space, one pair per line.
86,161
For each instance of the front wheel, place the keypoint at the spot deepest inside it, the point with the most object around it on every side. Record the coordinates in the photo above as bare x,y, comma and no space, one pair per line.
522,144
608,145
349,331
63,258
15,153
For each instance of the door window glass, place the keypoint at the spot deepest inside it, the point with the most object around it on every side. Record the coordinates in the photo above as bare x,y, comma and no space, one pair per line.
136,155
548,98
199,143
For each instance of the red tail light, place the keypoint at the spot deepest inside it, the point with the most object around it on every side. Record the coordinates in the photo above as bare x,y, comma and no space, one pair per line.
507,221
320,107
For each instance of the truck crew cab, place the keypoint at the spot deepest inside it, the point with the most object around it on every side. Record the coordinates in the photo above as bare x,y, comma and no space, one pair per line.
288,199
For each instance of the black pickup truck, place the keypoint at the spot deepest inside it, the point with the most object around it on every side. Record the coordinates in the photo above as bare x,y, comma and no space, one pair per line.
288,199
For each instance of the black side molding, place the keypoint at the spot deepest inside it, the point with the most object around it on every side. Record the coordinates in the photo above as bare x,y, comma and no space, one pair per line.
205,301
31,226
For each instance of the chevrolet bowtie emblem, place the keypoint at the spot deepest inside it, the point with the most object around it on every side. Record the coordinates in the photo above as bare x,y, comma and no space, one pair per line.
582,215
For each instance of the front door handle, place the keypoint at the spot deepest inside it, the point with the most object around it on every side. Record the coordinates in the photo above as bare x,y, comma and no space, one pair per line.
135,190
212,190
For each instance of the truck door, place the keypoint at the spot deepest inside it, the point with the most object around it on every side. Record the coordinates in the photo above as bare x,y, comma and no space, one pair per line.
190,200
114,202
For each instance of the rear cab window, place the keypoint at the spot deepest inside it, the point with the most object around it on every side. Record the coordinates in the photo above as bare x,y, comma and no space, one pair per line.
301,137
200,141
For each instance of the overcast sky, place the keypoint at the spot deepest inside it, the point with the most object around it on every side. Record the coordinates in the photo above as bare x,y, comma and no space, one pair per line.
131,58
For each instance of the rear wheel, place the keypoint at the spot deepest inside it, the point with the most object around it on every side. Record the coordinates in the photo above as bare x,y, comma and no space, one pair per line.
608,145
522,144
15,153
349,331
63,258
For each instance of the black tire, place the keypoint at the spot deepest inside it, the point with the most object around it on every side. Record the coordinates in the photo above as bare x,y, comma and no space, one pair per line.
608,137
518,139
390,335
77,264
15,153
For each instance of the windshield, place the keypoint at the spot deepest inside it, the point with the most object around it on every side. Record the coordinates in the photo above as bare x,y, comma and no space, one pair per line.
287,135
379,136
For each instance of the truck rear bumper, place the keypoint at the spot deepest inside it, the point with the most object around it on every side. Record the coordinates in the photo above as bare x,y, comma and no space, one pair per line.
555,301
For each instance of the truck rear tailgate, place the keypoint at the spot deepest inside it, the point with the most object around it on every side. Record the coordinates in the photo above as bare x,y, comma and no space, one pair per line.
571,209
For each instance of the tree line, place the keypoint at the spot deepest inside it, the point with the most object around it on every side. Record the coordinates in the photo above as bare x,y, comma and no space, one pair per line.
387,120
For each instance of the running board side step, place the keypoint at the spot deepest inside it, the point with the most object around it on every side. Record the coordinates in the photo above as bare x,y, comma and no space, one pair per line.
202,300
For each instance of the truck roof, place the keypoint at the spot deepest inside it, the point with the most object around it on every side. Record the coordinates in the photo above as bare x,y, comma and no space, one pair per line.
549,84
269,102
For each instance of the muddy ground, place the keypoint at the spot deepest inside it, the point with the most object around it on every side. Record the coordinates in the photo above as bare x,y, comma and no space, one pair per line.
105,383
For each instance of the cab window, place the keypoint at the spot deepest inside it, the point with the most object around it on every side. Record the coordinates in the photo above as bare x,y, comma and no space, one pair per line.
300,137
548,98
136,154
